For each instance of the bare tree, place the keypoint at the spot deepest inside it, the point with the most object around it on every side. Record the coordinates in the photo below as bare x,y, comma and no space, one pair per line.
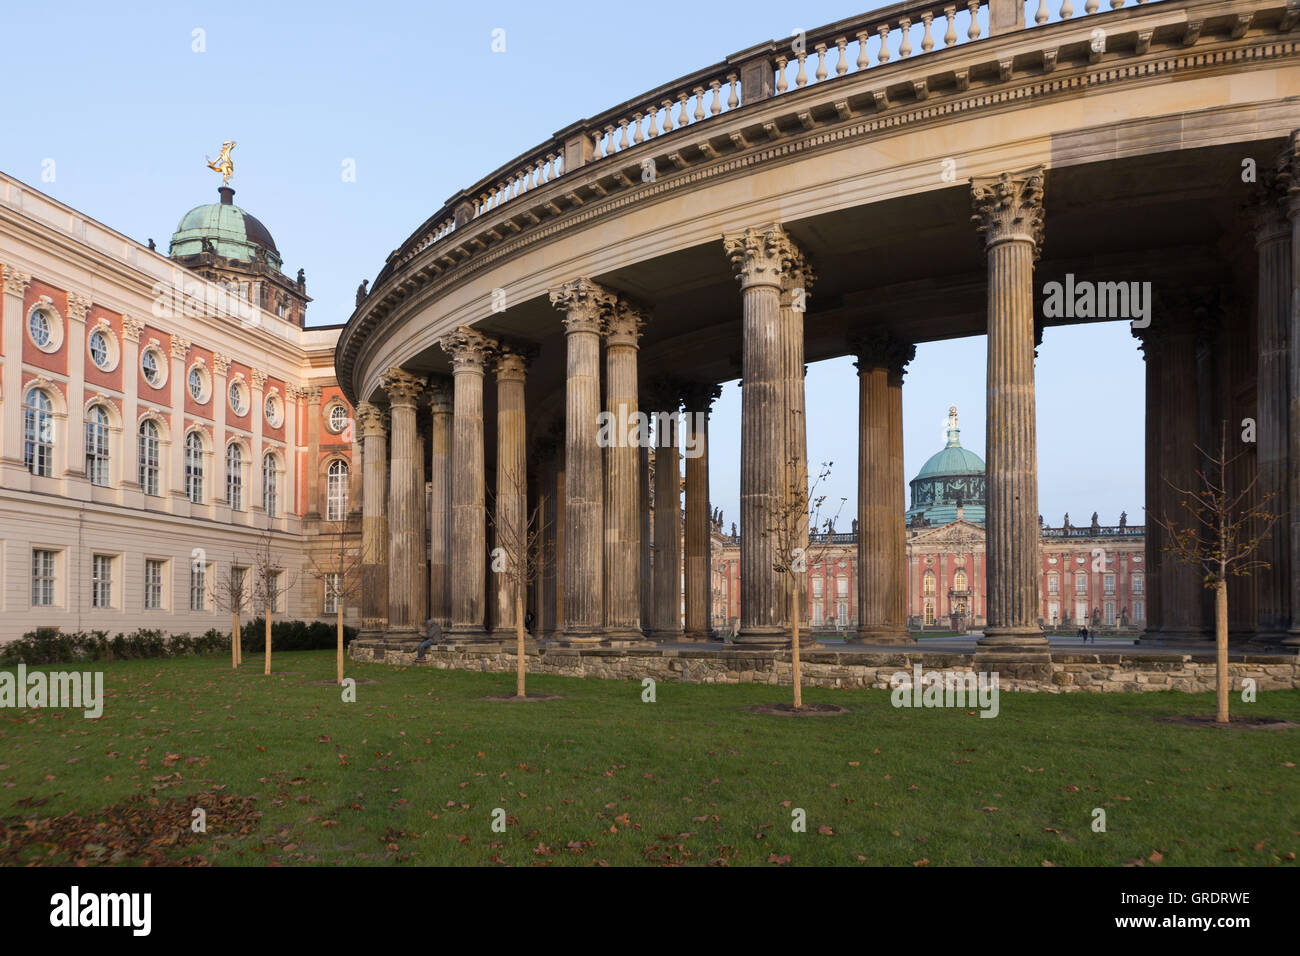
1220,533
270,583
518,556
799,511
340,575
230,593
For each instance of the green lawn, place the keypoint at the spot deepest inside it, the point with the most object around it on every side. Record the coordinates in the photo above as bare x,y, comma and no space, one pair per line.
412,772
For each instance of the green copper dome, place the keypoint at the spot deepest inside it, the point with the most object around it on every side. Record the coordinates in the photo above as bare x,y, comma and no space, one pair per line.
230,232
953,478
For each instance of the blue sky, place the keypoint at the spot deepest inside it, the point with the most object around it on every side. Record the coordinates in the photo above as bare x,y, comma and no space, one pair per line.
412,93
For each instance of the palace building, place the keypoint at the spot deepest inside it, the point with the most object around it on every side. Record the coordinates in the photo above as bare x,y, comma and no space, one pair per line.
1091,574
165,420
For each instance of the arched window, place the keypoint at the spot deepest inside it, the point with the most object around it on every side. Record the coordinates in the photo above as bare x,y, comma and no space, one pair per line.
270,486
234,477
959,580
149,457
97,459
928,583
194,468
38,433
336,491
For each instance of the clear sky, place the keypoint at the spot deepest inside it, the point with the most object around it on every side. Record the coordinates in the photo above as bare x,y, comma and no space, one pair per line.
111,109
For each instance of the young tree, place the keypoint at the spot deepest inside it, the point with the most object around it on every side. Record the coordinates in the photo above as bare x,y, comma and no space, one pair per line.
517,555
796,548
270,583
340,574
230,593
1220,533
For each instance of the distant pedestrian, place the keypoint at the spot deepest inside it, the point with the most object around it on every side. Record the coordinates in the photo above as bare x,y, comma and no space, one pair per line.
431,634
528,621
1086,635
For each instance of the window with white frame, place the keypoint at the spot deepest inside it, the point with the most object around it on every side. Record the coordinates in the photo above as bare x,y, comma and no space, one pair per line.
150,457
154,367
197,382
101,581
1053,583
38,433
153,584
1139,583
1139,611
198,587
40,326
338,419
234,477
1108,582
1080,583
336,488
43,577
194,468
928,583
270,486
97,457
238,398
101,350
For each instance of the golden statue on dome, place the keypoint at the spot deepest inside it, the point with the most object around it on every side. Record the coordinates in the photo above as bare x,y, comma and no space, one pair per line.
224,164
952,416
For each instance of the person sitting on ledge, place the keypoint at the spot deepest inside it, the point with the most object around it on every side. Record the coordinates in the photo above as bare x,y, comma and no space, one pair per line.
431,634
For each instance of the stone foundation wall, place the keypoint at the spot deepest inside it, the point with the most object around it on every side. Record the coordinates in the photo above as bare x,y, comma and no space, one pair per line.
1067,672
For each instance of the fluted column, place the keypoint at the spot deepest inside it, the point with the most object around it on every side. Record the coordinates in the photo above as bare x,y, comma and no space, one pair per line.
796,286
373,428
1009,214
759,257
666,398
405,499
1153,538
470,352
586,306
622,471
312,393
646,549
440,515
882,534
697,402
12,469
510,514
176,466
1290,165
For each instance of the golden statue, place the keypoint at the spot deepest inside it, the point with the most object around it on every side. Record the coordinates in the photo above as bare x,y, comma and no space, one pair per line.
224,164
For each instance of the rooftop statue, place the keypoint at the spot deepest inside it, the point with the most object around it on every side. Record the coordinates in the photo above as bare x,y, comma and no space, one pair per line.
224,164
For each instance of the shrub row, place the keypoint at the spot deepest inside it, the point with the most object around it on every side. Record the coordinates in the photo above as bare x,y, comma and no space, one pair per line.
49,645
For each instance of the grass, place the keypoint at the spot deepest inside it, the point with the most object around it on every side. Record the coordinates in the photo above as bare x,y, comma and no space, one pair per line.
413,770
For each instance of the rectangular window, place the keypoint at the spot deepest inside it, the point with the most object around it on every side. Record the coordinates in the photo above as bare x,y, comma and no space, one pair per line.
842,587
1053,584
153,584
1139,582
43,578
817,587
1139,611
817,615
842,614
1080,584
198,587
101,581
1110,583
332,592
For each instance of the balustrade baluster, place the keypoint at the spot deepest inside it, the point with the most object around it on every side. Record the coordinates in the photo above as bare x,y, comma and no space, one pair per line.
546,171
974,8
820,50
863,62
1116,4
699,103
1067,9
927,41
1091,6
949,38
716,106
600,145
622,140
668,116
637,137
801,79
1042,15
905,45
609,133
654,123
733,98
842,64
681,117
883,56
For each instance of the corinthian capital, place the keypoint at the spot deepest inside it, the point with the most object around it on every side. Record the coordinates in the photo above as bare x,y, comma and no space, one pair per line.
441,396
586,304
882,350
402,387
78,306
259,378
132,328
760,256
1009,208
16,282
469,350
623,326
371,421
220,363
180,347
511,363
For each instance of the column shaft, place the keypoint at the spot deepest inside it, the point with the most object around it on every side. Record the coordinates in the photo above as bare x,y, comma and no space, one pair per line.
510,516
440,514
405,501
699,400
622,471
374,519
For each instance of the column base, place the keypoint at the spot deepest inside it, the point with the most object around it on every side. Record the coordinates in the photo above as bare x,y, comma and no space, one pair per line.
620,636
469,634
1013,644
1289,638
581,636
763,637
883,635
1177,635
665,637
697,636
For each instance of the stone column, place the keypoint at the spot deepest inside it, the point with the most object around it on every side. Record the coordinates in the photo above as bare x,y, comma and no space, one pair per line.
176,379
622,441
313,396
373,427
1009,214
257,414
470,352
405,499
646,549
698,400
1290,180
75,339
510,529
1153,538
12,468
586,305
293,396
220,402
882,533
440,443
1272,385
760,257
420,614
667,516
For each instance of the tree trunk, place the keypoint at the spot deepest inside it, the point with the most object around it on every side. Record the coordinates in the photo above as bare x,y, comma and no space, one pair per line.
340,638
519,642
794,643
1222,682
268,639
234,641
